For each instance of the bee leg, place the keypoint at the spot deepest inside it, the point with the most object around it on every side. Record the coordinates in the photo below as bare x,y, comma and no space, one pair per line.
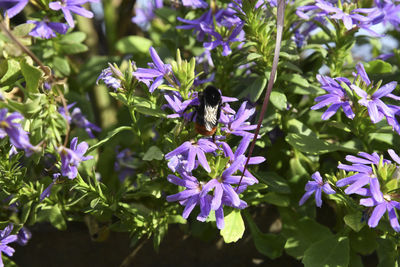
213,138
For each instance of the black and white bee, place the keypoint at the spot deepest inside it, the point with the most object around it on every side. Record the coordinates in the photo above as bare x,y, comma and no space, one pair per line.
209,111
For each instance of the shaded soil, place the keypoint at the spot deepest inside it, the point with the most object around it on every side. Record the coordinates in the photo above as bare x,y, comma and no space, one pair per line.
74,247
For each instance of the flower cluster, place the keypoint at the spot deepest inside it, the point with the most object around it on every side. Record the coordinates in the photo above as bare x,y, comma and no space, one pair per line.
342,93
348,13
224,185
210,25
370,178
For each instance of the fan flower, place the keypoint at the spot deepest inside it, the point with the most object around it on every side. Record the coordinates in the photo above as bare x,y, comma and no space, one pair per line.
18,137
316,186
191,150
224,193
72,157
45,29
158,70
12,7
144,12
237,124
5,239
77,118
75,6
336,97
377,109
381,206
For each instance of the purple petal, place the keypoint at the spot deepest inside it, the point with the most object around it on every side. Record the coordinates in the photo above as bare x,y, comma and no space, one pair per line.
377,215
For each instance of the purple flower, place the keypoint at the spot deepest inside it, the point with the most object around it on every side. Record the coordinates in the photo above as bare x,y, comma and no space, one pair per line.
18,137
241,149
179,107
77,118
316,186
71,158
109,80
5,239
336,97
23,236
364,174
144,12
206,19
190,197
195,3
68,6
237,123
224,193
380,207
156,72
384,11
47,191
123,164
45,29
13,7
192,150
237,35
376,108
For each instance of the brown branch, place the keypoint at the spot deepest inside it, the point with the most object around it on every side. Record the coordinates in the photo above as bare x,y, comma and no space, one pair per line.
279,30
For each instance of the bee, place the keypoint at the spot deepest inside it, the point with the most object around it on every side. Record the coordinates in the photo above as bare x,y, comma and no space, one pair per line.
209,111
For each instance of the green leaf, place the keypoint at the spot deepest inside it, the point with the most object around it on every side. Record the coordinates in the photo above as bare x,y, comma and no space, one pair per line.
176,219
154,153
133,44
74,37
279,100
387,253
73,48
309,144
234,227
296,126
94,202
253,56
32,76
26,209
364,242
275,182
109,136
301,234
61,64
256,88
155,112
56,218
331,251
270,245
378,66
277,199
10,70
294,78
23,30
354,221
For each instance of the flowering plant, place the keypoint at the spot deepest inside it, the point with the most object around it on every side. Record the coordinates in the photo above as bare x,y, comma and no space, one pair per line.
136,128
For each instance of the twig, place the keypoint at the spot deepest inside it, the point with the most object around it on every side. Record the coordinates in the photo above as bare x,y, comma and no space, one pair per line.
128,260
279,30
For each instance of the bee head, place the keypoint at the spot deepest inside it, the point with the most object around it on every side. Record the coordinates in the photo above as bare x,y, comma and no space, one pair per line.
212,96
